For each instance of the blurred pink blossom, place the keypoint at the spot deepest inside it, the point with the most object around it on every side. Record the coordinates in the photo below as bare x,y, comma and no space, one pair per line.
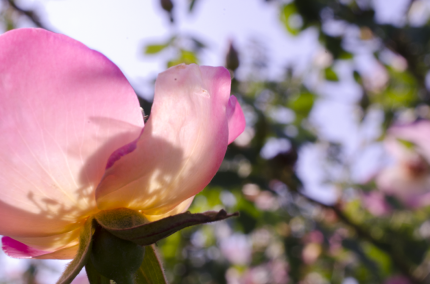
375,202
312,249
408,176
397,280
237,249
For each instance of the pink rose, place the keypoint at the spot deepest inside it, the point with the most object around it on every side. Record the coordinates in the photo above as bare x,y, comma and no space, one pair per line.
73,143
375,202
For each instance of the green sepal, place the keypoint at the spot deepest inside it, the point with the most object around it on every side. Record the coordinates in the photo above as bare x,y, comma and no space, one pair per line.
151,271
148,233
114,258
81,258
94,277
120,218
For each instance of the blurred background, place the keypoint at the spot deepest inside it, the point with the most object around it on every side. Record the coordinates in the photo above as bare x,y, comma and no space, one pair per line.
331,175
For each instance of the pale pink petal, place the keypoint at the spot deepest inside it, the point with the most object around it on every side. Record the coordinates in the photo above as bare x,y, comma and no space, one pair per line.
64,110
181,148
124,150
16,249
53,242
65,253
181,208
417,200
375,202
236,119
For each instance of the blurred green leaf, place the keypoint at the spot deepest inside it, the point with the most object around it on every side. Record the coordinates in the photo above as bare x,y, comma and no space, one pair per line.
189,56
379,257
286,13
330,75
186,57
408,144
354,246
346,56
170,245
301,104
400,92
155,48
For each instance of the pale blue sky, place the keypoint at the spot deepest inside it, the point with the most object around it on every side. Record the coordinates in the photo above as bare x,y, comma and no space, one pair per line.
121,29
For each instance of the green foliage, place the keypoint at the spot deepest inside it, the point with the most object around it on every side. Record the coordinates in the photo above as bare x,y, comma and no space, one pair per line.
185,56
402,90
155,48
301,104
346,55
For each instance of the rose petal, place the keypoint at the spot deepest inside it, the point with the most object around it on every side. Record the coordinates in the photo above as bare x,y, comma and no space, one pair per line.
181,148
236,119
65,253
17,249
64,110
53,242
124,150
181,208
